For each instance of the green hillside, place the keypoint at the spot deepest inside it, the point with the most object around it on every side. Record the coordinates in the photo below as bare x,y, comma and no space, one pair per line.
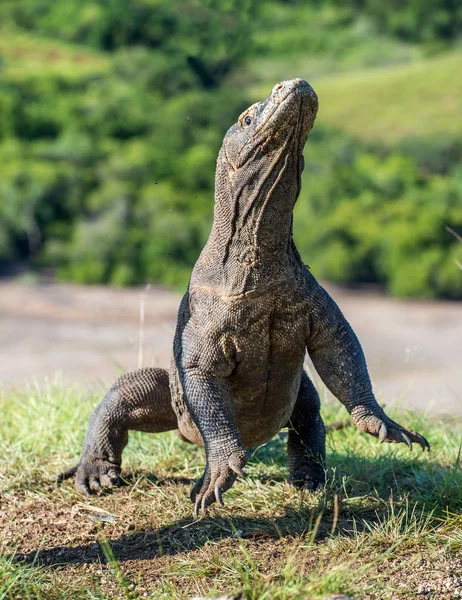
26,55
417,100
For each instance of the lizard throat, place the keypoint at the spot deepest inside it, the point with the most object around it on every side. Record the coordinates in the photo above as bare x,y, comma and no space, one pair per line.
253,245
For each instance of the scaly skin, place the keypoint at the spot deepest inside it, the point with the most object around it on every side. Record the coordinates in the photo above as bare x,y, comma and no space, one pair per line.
251,312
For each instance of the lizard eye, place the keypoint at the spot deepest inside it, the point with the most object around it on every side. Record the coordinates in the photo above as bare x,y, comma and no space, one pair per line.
248,120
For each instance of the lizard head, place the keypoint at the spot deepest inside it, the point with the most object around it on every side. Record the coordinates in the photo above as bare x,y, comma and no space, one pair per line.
257,182
266,128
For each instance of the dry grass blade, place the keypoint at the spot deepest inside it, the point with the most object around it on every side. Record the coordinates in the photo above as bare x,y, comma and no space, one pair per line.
454,233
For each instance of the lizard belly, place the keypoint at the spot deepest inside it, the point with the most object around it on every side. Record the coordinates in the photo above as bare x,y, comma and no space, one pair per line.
266,382
261,411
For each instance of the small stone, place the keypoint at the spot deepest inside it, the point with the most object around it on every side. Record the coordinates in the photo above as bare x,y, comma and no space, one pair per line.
236,534
422,590
103,517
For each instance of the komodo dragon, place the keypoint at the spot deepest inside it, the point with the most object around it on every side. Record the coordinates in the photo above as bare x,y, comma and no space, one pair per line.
251,311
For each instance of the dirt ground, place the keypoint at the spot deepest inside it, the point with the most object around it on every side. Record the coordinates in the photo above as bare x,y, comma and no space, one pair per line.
91,334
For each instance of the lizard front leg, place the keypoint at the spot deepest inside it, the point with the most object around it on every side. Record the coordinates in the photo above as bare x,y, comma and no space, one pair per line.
338,358
210,405
139,401
306,446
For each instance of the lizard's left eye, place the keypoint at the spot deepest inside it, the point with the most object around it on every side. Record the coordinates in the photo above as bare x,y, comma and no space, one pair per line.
248,120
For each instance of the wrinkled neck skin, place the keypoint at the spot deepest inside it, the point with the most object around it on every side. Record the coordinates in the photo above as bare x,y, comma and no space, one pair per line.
258,179
250,246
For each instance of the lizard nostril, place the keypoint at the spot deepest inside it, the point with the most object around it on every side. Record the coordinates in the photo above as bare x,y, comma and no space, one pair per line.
279,86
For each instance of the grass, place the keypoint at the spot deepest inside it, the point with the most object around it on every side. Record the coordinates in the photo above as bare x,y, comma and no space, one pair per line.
387,525
26,55
389,105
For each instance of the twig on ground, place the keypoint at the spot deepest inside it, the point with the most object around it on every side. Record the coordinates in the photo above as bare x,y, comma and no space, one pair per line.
336,425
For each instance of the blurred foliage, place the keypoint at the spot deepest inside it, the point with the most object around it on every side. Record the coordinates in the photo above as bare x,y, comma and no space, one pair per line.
379,217
112,113
106,173
437,22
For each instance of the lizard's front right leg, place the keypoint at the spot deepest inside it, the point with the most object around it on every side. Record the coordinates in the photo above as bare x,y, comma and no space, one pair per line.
140,401
209,403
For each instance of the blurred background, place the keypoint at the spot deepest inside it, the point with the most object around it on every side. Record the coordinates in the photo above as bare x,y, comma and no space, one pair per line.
111,116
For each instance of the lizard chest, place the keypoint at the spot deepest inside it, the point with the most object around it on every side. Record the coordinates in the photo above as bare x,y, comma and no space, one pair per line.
269,362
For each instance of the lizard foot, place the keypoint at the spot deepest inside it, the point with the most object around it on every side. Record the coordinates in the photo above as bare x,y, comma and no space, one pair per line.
387,430
219,475
310,477
92,475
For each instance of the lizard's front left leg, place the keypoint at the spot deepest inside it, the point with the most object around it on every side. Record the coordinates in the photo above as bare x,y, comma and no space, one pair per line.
338,358
210,405
306,446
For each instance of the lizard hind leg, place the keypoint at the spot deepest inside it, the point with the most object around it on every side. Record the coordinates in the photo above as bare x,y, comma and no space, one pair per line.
139,401
306,446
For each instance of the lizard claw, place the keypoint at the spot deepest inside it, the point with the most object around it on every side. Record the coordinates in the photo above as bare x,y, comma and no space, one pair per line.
396,434
406,440
237,469
197,508
66,475
219,495
92,475
218,477
383,433
387,430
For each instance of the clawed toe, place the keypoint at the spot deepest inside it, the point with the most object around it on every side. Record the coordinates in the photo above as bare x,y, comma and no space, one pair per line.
396,433
211,491
413,436
66,475
204,500
217,478
93,477
219,495
95,485
406,440
383,433
308,481
376,423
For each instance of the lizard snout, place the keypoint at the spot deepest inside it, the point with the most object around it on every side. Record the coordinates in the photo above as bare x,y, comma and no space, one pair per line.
298,87
285,87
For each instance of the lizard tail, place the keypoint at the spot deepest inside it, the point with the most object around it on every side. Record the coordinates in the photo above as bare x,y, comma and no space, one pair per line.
66,475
